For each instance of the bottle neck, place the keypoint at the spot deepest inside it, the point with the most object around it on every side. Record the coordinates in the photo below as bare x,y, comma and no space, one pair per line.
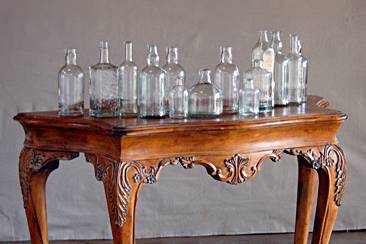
294,44
103,52
172,55
248,83
205,76
70,57
128,51
226,55
276,41
257,63
263,36
153,56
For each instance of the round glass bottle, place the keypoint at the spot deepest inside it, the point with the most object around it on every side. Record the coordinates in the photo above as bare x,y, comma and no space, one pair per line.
127,84
226,78
175,74
104,100
70,87
204,98
295,71
152,86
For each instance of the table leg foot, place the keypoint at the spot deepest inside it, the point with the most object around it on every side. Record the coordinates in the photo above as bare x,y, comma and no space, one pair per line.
307,182
332,176
34,169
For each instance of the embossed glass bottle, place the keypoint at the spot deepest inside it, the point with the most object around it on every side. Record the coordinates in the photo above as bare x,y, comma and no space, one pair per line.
248,97
152,86
295,71
127,84
175,73
204,98
263,51
280,73
104,100
226,78
262,80
70,87
304,75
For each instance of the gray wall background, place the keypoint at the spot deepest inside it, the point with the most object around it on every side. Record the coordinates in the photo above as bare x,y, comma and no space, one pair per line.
33,35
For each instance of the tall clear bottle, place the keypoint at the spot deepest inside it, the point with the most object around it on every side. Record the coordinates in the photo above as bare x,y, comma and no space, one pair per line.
226,78
127,84
280,74
175,73
263,51
70,87
152,87
204,98
104,100
304,75
295,71
262,80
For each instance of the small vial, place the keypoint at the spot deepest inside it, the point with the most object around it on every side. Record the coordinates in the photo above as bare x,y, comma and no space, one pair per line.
248,98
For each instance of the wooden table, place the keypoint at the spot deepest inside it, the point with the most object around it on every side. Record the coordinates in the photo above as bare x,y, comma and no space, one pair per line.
129,153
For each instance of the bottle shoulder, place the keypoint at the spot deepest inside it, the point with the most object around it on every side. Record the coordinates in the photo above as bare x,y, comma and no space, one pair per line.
204,90
227,68
173,68
151,69
71,69
128,64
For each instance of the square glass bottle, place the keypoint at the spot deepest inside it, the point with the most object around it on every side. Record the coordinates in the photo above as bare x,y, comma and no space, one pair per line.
248,97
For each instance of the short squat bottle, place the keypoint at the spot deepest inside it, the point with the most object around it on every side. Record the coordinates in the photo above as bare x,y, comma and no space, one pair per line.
70,87
295,71
127,84
248,98
104,100
152,86
204,98
262,80
226,78
178,101
263,51
280,74
304,75
175,74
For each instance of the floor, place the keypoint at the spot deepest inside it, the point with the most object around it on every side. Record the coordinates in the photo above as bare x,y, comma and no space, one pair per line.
357,237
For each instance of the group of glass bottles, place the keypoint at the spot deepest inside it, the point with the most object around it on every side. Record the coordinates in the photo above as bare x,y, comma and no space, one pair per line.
274,79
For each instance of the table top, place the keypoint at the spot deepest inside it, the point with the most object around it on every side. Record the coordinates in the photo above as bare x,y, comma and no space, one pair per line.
315,110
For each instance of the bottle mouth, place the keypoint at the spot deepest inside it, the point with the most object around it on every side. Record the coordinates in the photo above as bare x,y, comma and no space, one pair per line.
103,44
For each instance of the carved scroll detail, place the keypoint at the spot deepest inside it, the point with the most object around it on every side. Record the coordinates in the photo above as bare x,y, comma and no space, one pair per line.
34,161
323,159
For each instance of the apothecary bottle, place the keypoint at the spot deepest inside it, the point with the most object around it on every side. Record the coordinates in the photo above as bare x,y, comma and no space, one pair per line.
127,84
262,80
226,77
152,86
178,101
175,74
70,87
263,51
248,97
295,71
104,100
204,98
280,73
304,74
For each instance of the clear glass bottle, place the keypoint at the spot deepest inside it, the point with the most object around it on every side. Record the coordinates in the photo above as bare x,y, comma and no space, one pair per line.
178,101
262,80
104,100
152,86
204,98
304,75
175,73
248,97
70,87
127,84
263,51
226,78
280,73
295,71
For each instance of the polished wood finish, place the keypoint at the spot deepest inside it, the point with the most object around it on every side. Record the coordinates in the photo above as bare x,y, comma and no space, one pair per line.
129,153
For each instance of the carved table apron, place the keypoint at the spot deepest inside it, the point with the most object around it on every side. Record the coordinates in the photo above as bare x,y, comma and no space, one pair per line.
129,153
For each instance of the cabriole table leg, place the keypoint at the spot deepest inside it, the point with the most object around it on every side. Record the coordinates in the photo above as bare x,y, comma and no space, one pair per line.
34,168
